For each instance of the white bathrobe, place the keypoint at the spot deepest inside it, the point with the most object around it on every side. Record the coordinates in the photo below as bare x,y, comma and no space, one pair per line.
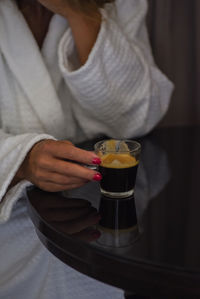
46,94
29,271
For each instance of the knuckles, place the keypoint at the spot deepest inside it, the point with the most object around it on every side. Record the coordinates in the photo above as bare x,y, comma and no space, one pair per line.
37,174
40,161
46,145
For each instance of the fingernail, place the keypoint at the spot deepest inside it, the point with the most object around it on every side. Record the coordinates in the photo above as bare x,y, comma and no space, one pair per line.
96,161
97,177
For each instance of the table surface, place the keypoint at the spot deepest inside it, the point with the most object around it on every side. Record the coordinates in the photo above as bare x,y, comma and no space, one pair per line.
150,243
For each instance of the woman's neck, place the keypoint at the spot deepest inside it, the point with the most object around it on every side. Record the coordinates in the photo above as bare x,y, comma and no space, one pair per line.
37,18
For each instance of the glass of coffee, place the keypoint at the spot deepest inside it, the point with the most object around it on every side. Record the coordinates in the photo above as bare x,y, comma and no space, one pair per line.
119,163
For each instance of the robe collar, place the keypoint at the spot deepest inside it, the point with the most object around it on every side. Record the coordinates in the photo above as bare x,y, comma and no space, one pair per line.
25,61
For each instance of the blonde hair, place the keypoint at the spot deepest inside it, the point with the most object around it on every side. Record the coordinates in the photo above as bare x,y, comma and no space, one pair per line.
88,6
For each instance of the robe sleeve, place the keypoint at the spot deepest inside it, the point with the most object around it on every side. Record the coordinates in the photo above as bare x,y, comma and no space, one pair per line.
13,150
119,91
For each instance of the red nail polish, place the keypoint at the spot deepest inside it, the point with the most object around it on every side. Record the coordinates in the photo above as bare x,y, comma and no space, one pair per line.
96,161
97,177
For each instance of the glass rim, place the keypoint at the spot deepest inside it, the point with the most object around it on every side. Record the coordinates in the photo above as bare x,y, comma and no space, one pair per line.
136,149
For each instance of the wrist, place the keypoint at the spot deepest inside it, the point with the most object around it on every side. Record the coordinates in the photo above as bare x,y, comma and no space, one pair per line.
17,178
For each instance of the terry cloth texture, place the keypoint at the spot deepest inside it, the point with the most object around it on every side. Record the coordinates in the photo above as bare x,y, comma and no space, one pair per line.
119,91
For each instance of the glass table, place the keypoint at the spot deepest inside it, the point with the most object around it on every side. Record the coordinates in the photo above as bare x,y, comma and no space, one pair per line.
148,244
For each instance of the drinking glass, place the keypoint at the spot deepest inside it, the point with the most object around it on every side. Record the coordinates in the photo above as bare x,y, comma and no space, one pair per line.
119,163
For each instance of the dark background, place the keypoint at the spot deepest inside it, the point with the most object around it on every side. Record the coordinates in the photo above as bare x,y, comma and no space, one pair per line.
174,30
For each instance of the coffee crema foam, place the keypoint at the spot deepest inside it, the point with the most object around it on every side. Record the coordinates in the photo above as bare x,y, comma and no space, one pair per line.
118,161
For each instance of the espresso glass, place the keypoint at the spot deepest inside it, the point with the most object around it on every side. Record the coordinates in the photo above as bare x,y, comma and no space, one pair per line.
120,159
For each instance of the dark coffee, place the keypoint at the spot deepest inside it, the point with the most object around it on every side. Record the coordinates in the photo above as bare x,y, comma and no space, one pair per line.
117,214
118,224
118,172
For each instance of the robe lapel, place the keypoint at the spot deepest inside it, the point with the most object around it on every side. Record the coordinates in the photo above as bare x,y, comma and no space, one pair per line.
57,28
24,59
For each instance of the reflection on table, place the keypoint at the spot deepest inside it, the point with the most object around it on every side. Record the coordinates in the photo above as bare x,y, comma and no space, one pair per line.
71,216
29,271
159,225
119,221
118,224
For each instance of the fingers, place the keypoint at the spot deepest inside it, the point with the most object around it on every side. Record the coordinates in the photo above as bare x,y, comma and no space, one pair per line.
62,170
46,166
67,179
52,187
66,150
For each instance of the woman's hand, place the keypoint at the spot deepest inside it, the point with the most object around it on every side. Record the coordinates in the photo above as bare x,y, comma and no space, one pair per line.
50,166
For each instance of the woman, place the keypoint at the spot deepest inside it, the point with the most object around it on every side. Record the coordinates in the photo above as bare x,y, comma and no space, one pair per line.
71,70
